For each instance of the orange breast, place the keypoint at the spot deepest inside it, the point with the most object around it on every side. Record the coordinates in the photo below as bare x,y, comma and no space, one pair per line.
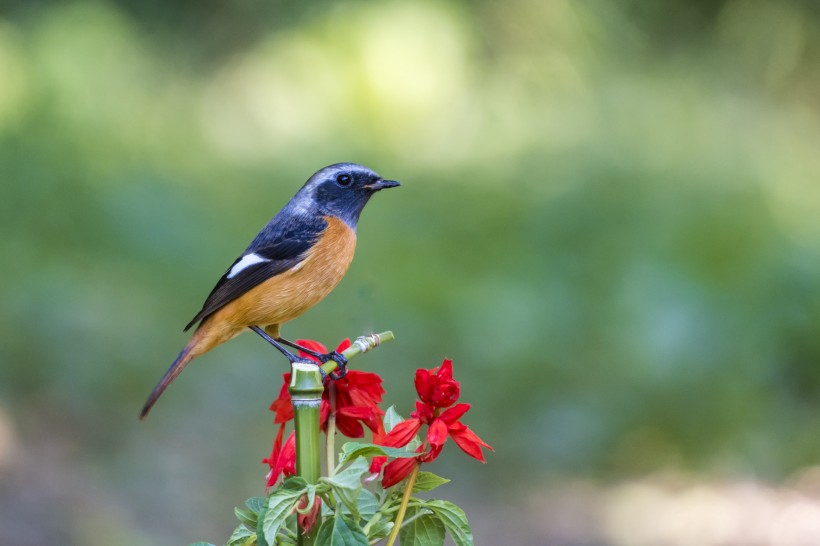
289,294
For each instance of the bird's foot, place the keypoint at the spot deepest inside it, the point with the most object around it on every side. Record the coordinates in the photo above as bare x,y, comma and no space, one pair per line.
340,360
310,362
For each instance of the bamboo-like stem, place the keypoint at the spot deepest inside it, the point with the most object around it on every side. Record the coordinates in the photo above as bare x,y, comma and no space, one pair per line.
330,441
405,500
306,396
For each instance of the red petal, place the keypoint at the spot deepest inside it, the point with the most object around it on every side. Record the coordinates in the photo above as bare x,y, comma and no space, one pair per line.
469,442
373,422
344,345
445,393
397,470
356,412
282,460
288,455
360,389
347,420
377,463
453,414
282,406
379,433
437,433
350,427
424,412
431,455
366,415
272,461
358,397
445,373
277,447
422,382
307,520
402,433
324,413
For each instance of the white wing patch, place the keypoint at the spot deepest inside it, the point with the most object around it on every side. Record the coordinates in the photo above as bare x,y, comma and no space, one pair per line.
245,262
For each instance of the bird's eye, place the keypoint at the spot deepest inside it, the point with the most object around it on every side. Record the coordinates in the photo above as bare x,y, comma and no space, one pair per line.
344,180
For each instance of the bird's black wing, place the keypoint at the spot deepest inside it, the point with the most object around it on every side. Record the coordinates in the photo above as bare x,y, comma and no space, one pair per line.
278,247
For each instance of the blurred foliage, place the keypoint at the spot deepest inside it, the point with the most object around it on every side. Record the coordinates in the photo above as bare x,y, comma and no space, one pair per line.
617,201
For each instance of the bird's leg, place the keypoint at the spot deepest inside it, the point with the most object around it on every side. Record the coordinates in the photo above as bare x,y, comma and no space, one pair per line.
289,355
335,356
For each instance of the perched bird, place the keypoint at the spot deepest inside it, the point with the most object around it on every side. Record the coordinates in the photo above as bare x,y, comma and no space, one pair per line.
291,265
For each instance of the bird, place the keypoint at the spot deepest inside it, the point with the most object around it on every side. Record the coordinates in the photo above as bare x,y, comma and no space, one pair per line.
291,265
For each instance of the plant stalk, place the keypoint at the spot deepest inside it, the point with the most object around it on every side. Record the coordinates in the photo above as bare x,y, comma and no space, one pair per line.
330,441
306,396
360,345
405,500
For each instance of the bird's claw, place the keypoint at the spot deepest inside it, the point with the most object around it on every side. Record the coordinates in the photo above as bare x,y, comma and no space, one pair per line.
302,360
341,362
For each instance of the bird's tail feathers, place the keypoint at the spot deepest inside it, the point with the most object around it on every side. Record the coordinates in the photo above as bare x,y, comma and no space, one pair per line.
185,356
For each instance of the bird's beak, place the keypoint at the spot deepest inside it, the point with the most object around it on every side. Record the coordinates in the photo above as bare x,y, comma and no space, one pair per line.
382,184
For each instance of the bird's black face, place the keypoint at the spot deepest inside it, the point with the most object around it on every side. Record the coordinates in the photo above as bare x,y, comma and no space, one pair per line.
342,190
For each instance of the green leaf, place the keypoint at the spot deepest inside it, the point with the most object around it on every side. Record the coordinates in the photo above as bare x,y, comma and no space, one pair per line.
350,477
280,505
290,525
367,504
255,504
425,530
246,516
351,450
427,481
241,536
260,536
347,484
340,531
391,418
380,529
454,519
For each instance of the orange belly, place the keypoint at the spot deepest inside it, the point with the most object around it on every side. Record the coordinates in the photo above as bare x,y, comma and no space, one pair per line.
285,296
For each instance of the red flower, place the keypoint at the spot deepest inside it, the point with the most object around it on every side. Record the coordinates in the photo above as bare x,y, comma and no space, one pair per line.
397,470
437,390
282,459
306,518
358,395
446,424
402,433
437,387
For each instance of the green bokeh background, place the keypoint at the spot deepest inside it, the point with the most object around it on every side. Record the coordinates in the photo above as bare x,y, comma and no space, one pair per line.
609,219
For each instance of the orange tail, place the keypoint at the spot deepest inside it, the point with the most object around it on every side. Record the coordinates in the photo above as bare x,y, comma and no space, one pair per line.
176,368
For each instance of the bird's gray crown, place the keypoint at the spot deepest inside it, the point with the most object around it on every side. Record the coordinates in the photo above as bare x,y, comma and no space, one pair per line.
341,190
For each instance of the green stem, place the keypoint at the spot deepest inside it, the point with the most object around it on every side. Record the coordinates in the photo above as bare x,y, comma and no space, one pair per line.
405,500
360,345
306,396
396,508
330,442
